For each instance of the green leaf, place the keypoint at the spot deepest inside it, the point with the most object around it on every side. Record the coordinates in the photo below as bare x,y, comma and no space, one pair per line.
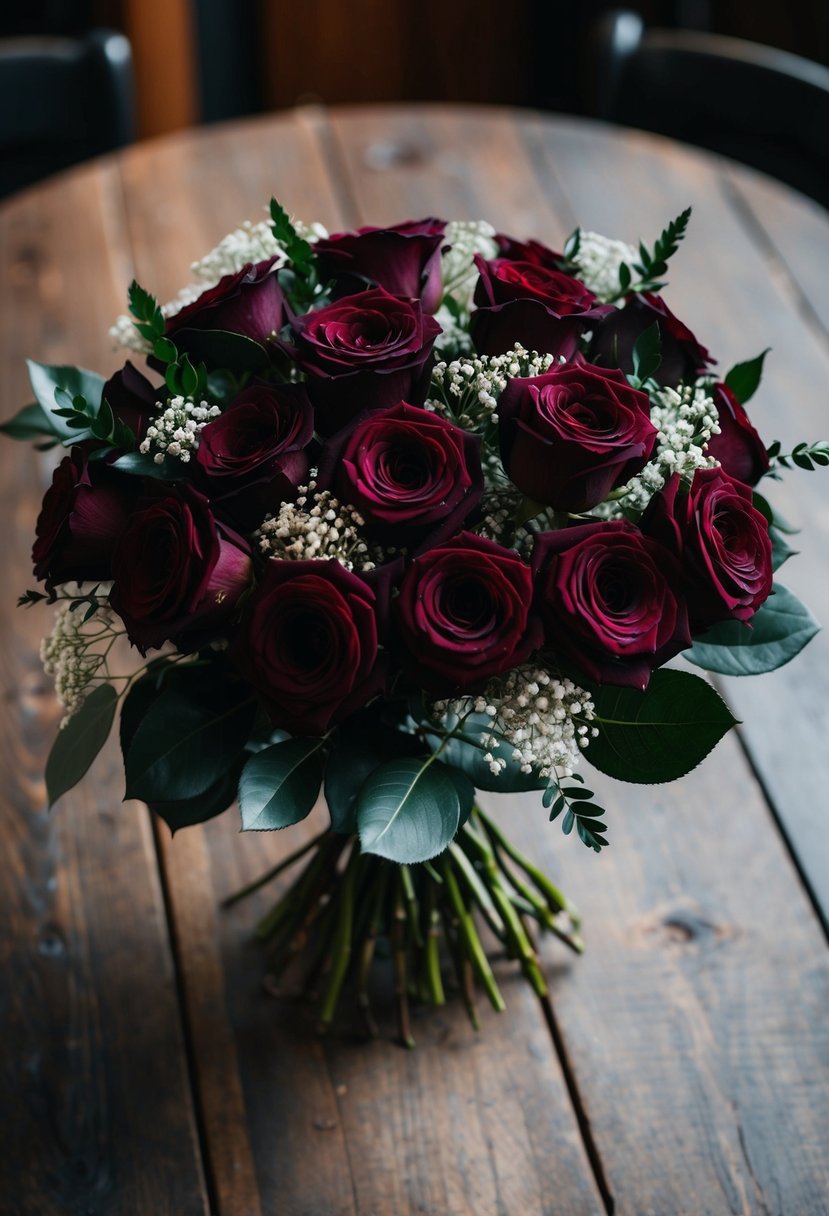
778,631
30,422
362,745
215,800
79,742
408,810
744,378
468,756
279,785
647,353
220,348
192,732
46,378
773,516
141,464
298,251
781,550
659,734
144,307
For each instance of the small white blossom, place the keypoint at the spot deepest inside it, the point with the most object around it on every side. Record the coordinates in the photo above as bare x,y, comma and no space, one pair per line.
317,527
464,239
176,431
466,390
598,259
68,653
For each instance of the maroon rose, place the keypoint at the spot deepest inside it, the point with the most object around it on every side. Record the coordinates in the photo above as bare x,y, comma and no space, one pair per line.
253,456
464,613
364,352
683,357
527,251
722,541
132,399
249,303
178,574
738,447
607,598
403,259
571,436
410,474
84,513
528,302
309,644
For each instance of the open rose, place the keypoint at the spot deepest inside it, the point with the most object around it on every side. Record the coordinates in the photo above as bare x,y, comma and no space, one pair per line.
606,596
403,259
683,357
738,447
253,455
528,302
527,251
249,303
410,473
364,352
571,436
722,540
309,644
84,513
178,573
464,613
132,398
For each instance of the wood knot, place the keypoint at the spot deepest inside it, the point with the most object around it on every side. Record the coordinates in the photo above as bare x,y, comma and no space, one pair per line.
390,154
684,927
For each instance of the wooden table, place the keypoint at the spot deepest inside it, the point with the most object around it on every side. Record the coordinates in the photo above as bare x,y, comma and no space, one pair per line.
681,1065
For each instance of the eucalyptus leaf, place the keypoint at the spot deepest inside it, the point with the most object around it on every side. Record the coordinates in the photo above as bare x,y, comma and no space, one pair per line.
778,631
75,381
408,810
279,785
30,422
79,742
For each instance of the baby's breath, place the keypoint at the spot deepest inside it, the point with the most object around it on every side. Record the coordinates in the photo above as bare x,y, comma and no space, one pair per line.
176,431
466,390
317,527
598,259
74,653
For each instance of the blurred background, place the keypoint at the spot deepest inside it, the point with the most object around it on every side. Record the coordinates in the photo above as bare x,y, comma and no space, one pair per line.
203,61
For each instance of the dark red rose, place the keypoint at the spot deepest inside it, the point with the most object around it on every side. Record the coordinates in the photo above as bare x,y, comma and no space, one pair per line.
132,398
722,541
683,357
403,259
527,251
178,573
84,513
571,436
608,599
738,447
528,302
309,644
464,613
410,474
364,352
249,303
253,456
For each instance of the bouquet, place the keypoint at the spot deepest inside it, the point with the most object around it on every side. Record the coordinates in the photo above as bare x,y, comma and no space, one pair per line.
399,515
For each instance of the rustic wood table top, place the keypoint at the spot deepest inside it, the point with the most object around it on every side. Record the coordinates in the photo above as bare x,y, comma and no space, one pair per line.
681,1066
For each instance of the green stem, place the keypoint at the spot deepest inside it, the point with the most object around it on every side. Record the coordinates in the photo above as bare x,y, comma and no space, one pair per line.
478,890
342,939
274,872
557,900
412,908
471,941
434,980
378,899
398,943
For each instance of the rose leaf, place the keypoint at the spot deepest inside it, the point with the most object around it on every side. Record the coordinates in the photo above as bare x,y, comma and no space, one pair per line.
279,785
778,631
79,742
408,810
75,381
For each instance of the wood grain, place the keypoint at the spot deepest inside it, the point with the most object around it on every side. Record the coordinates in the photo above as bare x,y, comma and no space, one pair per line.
95,1108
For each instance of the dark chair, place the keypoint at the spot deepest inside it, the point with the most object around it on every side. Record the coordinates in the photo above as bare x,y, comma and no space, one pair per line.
62,100
758,105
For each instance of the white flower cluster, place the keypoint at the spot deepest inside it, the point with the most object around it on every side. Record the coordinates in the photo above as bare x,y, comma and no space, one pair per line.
176,431
316,527
68,653
464,238
685,418
466,391
543,718
598,259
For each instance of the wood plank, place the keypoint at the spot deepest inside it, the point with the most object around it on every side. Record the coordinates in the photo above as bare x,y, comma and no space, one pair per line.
463,1125
725,287
96,1113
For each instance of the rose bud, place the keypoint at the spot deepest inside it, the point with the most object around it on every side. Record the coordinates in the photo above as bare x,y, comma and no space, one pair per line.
683,357
252,456
178,574
409,473
607,598
309,644
249,303
84,513
738,447
464,613
528,302
132,399
723,542
571,436
404,260
364,352
527,251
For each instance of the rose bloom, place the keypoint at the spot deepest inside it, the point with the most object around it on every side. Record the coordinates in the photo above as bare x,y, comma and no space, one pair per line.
532,251
309,643
738,447
722,541
571,436
464,613
683,357
607,596
403,259
364,352
528,302
410,473
253,455
249,303
178,574
132,399
83,514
